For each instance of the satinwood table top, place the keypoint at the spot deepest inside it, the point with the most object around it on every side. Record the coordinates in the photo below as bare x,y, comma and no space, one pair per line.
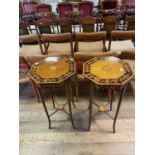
52,70
107,71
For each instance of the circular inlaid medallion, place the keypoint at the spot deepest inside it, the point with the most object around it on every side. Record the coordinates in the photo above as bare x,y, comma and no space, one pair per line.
107,68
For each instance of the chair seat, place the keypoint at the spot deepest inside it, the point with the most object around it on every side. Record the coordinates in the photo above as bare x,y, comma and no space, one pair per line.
121,45
90,46
92,53
56,53
59,48
28,50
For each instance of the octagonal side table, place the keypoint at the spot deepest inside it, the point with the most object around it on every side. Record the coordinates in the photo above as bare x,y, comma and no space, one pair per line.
54,72
110,73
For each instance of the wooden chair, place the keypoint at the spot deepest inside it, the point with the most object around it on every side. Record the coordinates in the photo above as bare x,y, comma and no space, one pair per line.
121,41
90,43
86,7
23,78
87,24
62,8
58,44
30,45
46,26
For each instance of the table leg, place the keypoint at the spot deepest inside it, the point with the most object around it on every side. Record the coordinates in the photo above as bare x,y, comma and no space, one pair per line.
45,108
91,93
76,87
68,93
72,94
111,98
35,90
118,107
51,93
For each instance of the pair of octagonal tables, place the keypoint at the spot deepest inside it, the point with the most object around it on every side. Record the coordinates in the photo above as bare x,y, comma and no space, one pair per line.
104,72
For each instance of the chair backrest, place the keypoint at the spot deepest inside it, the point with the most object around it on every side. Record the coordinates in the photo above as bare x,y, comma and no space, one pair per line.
57,38
63,8
65,25
90,37
46,26
28,39
86,7
41,8
129,22
29,7
88,24
109,4
107,23
121,35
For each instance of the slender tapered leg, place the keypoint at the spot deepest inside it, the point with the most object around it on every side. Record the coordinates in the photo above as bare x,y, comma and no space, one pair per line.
45,108
111,98
68,92
72,94
91,93
35,90
118,107
51,93
76,88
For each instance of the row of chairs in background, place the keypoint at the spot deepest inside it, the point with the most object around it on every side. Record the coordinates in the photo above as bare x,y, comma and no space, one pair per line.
87,9
89,43
88,24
